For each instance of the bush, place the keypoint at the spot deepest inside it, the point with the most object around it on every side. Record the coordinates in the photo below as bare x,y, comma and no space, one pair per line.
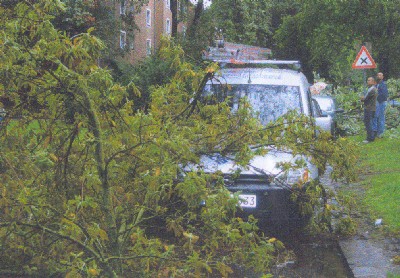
348,98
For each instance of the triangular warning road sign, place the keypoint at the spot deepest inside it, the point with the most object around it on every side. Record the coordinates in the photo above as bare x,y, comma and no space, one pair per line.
364,60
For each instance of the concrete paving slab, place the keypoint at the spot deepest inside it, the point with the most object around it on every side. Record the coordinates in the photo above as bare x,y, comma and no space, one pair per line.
368,259
368,256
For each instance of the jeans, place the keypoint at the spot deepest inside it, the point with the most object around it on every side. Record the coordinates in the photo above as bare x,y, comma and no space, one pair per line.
378,123
368,118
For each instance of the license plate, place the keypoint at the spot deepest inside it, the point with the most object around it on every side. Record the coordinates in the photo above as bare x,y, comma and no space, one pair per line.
248,201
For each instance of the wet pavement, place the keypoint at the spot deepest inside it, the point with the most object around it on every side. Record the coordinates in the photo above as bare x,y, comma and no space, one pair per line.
369,254
368,259
315,257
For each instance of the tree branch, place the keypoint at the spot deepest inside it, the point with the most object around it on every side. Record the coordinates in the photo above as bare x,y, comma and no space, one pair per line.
50,231
139,257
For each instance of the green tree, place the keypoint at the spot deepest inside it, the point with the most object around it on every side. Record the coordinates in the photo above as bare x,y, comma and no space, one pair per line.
104,192
245,22
200,34
321,35
82,197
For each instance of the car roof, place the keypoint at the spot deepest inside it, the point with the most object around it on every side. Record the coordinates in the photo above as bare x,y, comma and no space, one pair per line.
323,97
268,76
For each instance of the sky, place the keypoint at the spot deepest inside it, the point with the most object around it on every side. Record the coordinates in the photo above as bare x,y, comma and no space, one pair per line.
206,2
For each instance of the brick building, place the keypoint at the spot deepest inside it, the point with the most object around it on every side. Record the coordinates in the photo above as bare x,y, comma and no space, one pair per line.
153,21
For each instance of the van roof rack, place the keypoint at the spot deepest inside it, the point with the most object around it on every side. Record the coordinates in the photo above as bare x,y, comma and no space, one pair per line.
237,55
292,64
258,62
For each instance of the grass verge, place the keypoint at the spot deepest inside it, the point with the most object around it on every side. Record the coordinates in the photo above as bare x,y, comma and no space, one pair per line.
380,172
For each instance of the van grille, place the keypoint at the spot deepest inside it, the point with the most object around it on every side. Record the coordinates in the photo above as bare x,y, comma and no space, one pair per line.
248,179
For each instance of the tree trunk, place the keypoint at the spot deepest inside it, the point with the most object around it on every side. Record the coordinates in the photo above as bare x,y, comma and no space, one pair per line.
174,11
95,127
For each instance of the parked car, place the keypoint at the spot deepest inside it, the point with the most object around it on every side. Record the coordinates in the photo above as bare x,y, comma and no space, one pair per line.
323,121
329,109
263,188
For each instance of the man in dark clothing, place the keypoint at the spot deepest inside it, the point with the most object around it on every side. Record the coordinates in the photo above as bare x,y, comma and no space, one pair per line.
378,123
369,100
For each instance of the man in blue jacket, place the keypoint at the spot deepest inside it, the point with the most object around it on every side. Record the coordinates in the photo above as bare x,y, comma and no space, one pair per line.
378,122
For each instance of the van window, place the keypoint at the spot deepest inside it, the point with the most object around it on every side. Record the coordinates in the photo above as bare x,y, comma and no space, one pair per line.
269,102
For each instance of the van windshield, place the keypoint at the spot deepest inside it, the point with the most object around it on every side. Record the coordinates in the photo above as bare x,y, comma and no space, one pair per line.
269,102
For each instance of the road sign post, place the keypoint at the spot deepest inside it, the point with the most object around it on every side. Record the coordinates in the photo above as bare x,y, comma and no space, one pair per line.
364,61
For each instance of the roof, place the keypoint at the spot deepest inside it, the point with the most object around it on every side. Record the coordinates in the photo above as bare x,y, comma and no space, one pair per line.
237,51
233,54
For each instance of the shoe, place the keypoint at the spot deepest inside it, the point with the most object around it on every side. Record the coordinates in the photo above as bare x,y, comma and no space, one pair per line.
366,141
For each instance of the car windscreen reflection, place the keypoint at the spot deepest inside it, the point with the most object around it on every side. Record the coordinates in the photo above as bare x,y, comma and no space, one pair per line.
269,102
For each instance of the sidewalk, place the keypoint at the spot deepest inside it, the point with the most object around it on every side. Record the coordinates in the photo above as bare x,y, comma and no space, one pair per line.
369,253
369,258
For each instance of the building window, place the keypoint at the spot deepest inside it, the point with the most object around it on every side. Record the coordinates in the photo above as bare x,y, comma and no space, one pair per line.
148,47
122,39
168,4
148,17
122,8
168,26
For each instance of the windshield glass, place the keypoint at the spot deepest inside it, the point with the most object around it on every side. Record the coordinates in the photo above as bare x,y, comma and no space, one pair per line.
269,102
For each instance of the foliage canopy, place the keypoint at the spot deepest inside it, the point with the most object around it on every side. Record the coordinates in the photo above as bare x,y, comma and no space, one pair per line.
326,36
92,187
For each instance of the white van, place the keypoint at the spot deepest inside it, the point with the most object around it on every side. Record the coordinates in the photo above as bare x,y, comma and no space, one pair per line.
265,190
